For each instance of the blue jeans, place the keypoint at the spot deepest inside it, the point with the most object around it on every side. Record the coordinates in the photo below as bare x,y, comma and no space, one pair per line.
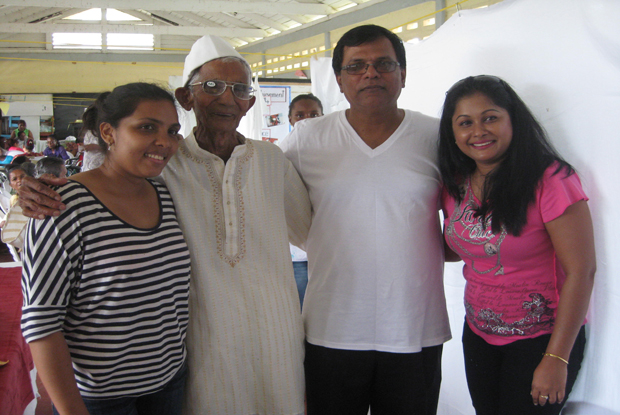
167,401
301,278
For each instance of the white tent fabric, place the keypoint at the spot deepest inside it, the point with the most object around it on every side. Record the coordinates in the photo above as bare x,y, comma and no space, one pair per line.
563,58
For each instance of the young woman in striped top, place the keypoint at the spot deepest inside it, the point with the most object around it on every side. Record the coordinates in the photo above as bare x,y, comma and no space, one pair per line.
106,282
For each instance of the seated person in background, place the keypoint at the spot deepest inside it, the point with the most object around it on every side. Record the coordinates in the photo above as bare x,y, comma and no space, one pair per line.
12,148
51,165
16,173
302,106
3,146
71,146
21,140
54,149
20,159
30,148
21,128
15,222
25,164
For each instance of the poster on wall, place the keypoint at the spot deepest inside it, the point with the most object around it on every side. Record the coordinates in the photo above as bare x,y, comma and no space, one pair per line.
275,120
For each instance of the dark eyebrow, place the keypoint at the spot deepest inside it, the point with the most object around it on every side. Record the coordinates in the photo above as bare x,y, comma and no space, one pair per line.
483,112
151,119
380,58
155,120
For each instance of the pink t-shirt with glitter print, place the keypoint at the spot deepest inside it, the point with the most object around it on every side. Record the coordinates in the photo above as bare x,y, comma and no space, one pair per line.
513,283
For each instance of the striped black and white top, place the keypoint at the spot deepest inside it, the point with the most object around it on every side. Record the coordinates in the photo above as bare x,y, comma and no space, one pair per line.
118,293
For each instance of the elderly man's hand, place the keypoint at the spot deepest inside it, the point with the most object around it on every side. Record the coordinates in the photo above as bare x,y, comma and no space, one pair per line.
37,199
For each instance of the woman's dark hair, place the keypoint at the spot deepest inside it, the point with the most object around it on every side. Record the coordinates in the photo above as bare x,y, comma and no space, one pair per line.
511,186
12,167
301,98
19,160
112,107
366,34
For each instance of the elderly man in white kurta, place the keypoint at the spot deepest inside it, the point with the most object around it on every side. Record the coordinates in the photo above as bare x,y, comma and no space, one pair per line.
237,209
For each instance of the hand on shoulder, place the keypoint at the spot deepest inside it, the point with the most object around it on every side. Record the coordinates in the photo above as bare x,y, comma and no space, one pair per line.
37,199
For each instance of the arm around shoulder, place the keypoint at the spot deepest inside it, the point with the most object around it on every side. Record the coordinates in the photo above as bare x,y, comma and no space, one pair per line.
296,206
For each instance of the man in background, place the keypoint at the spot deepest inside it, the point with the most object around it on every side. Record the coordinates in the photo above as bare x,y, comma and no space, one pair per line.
302,106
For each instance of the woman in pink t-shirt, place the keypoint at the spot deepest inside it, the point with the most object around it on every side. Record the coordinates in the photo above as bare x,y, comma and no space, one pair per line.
516,213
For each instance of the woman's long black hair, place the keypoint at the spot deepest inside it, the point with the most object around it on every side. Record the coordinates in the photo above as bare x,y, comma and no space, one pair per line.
511,186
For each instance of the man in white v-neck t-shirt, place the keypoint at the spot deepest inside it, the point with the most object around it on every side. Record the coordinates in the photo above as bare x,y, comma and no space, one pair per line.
374,312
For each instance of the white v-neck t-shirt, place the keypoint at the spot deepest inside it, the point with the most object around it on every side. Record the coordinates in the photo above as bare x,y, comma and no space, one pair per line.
374,248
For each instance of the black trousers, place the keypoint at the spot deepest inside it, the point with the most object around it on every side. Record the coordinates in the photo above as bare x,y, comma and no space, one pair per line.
500,377
349,382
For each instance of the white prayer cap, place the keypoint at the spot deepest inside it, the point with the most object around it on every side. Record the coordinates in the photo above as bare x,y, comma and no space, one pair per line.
204,50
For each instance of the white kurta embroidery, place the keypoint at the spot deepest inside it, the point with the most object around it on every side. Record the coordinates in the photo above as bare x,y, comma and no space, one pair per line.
245,335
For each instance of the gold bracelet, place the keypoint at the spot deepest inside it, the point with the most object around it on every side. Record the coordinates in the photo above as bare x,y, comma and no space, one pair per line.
556,356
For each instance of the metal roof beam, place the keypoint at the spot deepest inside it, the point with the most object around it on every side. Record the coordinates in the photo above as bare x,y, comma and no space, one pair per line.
185,5
126,28
363,12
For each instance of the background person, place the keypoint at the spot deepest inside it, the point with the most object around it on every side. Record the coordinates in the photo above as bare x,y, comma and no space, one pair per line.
54,149
516,214
93,152
29,147
51,165
3,148
21,128
13,229
13,149
16,175
302,106
106,283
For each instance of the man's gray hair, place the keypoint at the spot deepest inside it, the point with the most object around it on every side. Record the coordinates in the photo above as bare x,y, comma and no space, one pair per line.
49,165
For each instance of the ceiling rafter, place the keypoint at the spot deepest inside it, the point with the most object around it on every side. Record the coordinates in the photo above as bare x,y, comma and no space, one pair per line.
201,20
269,22
233,20
124,28
138,14
363,12
186,5
254,26
26,15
